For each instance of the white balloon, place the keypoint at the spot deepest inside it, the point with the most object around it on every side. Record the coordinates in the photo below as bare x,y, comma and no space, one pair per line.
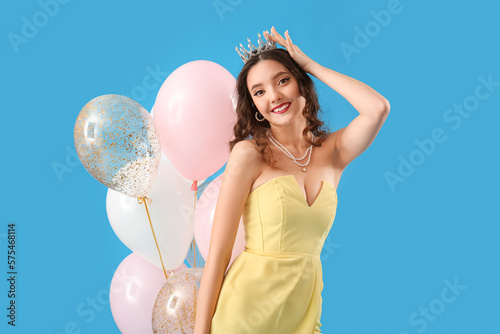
171,212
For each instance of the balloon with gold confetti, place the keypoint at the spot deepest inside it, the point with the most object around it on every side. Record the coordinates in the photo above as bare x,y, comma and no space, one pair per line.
118,144
174,309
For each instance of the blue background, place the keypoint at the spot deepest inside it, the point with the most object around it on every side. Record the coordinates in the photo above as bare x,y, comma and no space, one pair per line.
391,248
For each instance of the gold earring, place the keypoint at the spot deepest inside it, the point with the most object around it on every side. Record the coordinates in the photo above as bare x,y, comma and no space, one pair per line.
260,120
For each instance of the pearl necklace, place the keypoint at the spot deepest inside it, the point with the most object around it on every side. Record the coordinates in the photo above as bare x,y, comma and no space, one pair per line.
288,154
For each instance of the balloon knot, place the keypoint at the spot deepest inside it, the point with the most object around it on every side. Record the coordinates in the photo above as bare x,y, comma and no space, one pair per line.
141,200
194,186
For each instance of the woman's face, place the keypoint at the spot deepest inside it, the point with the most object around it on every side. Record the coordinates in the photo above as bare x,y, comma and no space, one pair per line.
275,92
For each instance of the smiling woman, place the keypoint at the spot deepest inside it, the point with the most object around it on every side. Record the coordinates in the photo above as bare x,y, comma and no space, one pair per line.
275,284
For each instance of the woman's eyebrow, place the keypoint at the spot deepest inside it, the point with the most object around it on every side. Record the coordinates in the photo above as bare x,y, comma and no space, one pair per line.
275,76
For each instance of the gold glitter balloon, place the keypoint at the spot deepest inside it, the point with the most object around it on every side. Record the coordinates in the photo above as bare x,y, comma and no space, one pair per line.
117,142
174,309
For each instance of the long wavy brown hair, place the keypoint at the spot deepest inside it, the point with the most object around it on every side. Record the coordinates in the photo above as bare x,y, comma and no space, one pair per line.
247,125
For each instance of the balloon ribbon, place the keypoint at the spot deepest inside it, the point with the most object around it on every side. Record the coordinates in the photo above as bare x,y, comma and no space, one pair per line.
194,207
194,186
145,200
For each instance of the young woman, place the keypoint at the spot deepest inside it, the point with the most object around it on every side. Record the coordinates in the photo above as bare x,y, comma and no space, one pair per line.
283,183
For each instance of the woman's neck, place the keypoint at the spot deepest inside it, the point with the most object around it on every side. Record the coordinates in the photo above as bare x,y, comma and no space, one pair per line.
293,140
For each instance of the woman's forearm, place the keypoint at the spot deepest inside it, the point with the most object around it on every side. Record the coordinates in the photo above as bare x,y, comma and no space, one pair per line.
211,282
361,96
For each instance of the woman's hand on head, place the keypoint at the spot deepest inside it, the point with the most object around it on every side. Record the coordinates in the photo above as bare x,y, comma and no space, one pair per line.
300,57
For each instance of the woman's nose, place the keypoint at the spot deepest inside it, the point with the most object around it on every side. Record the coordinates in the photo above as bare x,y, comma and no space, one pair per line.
275,96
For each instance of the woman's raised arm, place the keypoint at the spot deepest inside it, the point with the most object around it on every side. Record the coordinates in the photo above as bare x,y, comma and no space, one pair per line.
373,108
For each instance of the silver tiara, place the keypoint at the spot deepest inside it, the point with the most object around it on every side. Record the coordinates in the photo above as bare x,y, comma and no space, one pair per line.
263,46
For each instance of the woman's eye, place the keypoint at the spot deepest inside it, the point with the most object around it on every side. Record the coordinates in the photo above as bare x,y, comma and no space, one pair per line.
282,81
257,93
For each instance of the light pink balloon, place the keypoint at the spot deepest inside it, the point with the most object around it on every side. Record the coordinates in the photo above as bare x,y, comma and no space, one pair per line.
133,291
195,114
203,221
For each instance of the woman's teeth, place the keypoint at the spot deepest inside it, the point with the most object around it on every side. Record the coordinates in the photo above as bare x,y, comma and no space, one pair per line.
281,108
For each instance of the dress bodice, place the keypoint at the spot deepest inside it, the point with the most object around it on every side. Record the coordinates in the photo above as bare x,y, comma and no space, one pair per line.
277,218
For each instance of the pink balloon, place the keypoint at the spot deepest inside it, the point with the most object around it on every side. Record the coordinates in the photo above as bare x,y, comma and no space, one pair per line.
203,221
133,291
195,114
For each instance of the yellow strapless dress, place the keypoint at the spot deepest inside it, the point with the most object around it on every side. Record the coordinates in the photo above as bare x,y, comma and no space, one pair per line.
274,286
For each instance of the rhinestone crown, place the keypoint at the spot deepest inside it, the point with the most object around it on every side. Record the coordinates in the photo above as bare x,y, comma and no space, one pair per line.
252,50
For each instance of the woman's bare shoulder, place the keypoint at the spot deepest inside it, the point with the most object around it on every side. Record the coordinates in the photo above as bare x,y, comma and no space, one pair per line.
247,153
330,148
247,146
